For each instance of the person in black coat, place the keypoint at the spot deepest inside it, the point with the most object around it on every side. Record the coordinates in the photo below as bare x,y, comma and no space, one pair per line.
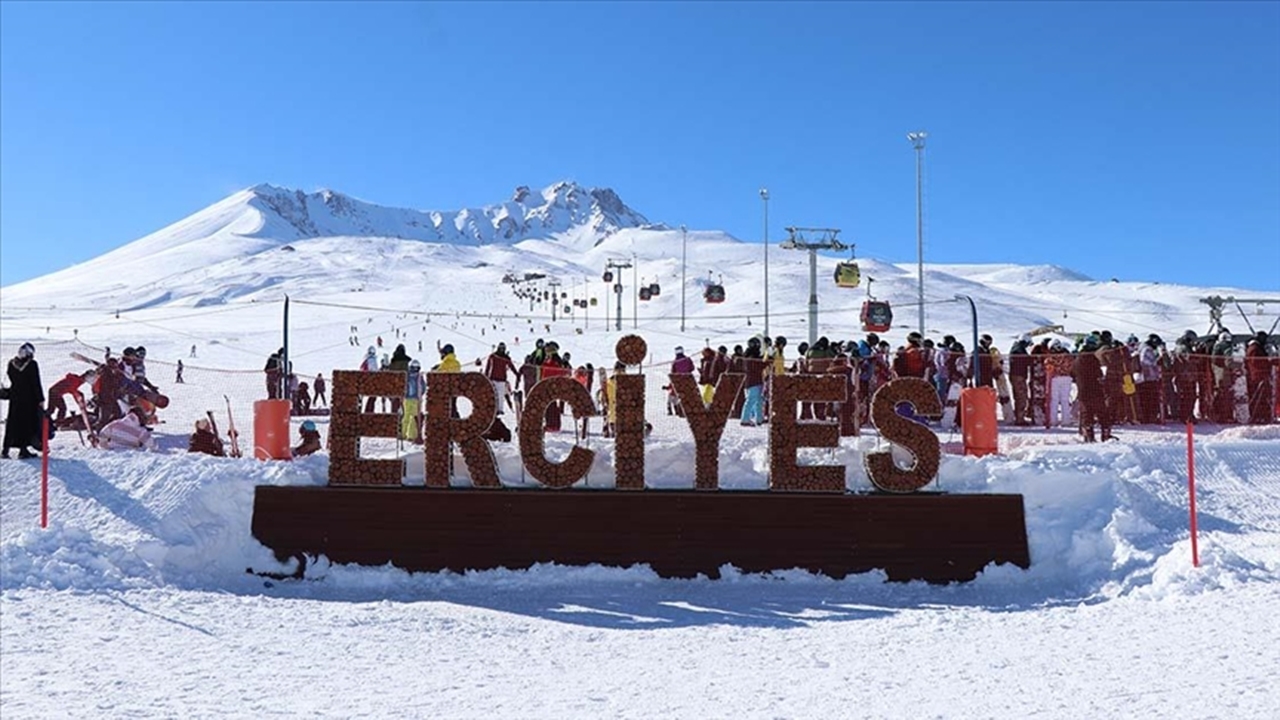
26,403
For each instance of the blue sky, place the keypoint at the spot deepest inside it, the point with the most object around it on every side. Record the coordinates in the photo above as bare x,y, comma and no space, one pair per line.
1131,140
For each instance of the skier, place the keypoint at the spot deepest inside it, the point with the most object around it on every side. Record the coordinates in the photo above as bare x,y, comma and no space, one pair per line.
68,385
681,365
178,378
318,388
26,403
369,364
415,388
497,367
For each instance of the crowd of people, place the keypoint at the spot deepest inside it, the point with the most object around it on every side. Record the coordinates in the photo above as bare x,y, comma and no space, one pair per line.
1097,383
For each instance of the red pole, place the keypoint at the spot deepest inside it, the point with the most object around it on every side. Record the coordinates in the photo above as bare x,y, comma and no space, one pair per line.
44,471
1191,488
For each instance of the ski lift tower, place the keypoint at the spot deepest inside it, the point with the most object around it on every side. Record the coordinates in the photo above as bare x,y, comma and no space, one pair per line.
609,266
1217,302
555,297
826,240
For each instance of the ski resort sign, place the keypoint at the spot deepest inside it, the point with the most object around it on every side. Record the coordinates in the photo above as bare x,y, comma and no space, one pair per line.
366,516
706,423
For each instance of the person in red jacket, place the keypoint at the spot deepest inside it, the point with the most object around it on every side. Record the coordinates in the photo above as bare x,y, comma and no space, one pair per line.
69,385
497,367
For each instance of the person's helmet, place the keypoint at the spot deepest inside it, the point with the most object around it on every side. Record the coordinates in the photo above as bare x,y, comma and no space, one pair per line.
873,339
129,352
1189,336
140,351
1026,338
1091,343
27,350
1224,337
447,349
679,349
308,426
371,351
780,341
502,347
539,343
414,365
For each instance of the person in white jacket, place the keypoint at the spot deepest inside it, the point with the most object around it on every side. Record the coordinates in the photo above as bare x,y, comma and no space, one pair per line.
127,433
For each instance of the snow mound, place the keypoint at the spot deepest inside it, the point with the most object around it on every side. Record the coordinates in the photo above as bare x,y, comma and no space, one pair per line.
1103,521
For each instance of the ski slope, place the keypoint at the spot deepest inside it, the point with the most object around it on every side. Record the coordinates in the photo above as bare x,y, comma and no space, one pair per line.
135,601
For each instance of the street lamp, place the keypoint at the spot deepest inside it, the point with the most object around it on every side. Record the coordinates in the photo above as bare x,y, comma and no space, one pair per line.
917,141
684,251
764,195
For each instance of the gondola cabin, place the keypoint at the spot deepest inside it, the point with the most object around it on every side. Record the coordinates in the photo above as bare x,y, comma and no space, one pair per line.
714,294
593,302
645,293
848,275
608,276
877,316
655,290
567,309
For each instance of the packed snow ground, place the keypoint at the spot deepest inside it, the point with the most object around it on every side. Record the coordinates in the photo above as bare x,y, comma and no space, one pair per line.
135,601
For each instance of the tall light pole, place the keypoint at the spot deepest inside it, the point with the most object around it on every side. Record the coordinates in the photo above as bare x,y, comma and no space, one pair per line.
828,241
917,141
684,253
635,297
764,195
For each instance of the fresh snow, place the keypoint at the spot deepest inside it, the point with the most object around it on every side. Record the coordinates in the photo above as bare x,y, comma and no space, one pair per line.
135,601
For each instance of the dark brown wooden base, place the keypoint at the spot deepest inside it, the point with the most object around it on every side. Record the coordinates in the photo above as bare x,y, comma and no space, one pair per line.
679,533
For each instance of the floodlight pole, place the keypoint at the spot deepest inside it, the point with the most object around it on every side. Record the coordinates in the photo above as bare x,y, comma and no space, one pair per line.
684,254
917,141
764,196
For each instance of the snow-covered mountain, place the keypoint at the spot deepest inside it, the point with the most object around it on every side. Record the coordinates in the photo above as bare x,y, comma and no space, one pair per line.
254,226
258,246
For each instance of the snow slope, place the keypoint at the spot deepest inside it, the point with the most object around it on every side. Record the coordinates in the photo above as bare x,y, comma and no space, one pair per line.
135,603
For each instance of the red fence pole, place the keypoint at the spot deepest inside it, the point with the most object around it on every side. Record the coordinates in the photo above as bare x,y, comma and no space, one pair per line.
44,471
1191,488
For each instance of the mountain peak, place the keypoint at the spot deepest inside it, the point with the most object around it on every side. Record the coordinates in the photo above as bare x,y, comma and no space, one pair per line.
561,209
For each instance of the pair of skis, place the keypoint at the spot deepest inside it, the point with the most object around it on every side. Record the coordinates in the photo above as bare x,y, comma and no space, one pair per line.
232,433
231,429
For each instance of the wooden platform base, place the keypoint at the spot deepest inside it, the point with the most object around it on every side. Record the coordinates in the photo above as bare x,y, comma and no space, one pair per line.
934,537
